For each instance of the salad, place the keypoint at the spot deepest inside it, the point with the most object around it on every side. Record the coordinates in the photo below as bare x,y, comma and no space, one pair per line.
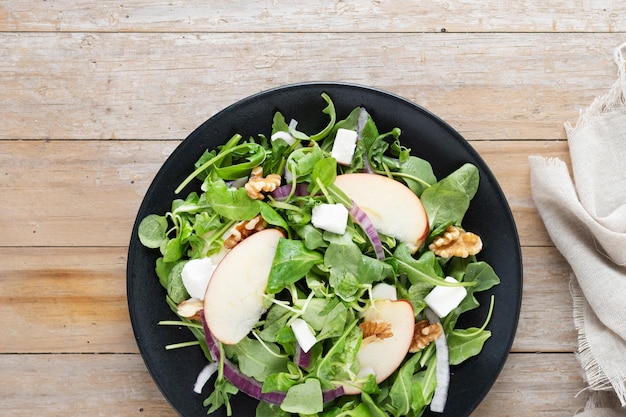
323,274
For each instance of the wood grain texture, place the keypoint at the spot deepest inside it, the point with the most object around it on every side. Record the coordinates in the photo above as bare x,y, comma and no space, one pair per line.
332,16
119,385
87,193
162,85
94,96
73,300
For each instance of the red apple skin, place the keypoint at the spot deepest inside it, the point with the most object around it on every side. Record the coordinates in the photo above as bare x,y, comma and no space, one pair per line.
384,356
392,207
233,302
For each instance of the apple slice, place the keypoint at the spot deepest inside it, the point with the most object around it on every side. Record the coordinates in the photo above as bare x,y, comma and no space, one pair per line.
391,206
233,302
383,356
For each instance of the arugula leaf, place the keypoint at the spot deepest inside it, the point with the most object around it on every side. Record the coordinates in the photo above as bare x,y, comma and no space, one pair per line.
222,390
465,343
422,270
400,393
330,111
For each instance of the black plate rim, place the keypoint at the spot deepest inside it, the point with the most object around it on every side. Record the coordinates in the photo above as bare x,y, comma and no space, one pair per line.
486,174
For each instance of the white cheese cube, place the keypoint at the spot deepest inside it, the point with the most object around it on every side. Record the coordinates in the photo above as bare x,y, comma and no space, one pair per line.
383,290
344,145
304,335
330,217
442,300
196,275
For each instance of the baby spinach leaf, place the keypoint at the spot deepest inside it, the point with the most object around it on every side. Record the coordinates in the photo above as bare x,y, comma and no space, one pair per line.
311,235
291,262
255,359
233,204
275,320
323,174
162,270
305,398
272,217
152,231
266,409
423,270
172,250
418,174
447,200
175,287
280,381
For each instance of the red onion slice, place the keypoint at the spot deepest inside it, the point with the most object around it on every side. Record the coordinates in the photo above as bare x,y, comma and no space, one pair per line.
362,219
282,192
251,386
302,358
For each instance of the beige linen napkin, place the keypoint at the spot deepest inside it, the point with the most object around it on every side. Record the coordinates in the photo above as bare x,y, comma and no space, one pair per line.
586,219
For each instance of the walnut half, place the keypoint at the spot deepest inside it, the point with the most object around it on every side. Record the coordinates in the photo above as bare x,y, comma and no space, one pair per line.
257,184
455,241
424,334
375,330
244,229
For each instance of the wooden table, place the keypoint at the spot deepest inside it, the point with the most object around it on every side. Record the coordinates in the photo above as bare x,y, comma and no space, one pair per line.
94,95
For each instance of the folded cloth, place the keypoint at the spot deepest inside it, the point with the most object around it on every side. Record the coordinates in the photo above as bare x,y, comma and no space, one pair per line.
586,219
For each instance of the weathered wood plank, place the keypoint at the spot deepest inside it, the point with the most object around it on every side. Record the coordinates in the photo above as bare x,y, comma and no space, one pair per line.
73,300
163,85
536,385
64,300
119,385
335,16
79,385
87,193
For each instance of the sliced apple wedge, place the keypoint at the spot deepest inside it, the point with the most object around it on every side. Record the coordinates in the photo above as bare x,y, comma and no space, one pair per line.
392,207
382,356
233,302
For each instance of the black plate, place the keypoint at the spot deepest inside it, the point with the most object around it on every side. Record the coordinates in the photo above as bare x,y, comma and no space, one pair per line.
428,136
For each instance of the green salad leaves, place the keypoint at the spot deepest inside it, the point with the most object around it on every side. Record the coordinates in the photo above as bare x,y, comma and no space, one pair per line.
323,278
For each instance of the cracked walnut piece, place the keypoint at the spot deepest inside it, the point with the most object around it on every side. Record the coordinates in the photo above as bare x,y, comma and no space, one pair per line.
375,330
424,334
456,242
244,229
257,183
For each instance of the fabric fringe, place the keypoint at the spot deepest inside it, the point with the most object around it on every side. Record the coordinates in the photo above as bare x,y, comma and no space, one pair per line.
594,375
611,101
547,162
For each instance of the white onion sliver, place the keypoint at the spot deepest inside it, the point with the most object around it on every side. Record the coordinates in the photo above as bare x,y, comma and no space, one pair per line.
204,376
442,371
